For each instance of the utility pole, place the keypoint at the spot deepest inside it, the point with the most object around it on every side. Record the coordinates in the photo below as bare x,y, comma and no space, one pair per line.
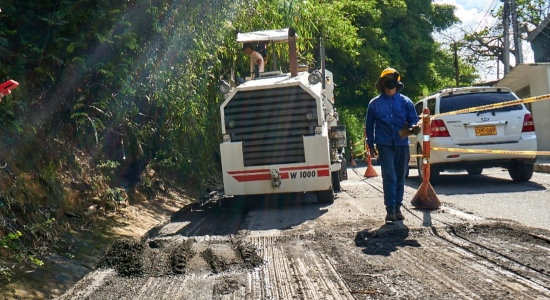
498,62
506,39
517,41
457,72
454,44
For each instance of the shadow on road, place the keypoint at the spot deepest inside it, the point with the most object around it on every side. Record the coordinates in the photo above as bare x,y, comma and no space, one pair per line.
282,212
385,240
234,214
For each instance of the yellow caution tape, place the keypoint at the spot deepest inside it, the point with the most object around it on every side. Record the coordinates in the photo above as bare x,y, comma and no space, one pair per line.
487,151
412,155
480,151
494,106
360,153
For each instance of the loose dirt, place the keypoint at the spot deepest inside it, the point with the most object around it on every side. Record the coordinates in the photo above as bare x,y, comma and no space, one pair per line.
80,250
164,257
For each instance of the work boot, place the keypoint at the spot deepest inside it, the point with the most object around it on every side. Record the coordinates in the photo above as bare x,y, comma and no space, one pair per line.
398,215
390,214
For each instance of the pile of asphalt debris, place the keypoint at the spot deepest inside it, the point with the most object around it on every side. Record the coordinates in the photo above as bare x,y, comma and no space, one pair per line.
166,257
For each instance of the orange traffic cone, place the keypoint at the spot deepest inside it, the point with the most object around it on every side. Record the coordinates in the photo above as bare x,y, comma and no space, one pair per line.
353,164
425,197
370,171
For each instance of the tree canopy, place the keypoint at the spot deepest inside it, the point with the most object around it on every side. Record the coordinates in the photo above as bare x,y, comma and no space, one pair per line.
136,81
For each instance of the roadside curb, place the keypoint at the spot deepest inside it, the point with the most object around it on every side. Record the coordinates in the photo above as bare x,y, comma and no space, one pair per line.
543,168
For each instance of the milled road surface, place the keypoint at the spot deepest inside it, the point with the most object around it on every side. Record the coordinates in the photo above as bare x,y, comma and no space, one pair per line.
290,247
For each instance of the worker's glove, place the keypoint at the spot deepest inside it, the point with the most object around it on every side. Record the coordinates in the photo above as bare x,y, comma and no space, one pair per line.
373,152
405,131
415,129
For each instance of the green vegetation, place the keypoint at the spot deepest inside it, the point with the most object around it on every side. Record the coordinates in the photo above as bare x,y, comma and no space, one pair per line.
12,245
109,89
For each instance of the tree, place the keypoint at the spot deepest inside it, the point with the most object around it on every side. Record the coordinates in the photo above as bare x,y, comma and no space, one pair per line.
106,73
459,73
487,43
396,34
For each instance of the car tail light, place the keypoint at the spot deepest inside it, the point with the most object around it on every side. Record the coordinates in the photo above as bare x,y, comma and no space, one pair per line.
528,124
439,129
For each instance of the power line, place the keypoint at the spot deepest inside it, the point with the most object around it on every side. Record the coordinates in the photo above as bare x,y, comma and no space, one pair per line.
470,25
486,11
482,16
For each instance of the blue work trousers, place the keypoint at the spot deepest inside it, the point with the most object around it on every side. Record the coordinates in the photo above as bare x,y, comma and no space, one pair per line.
394,162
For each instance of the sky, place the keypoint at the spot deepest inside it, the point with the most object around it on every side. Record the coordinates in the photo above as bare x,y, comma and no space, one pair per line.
470,12
476,14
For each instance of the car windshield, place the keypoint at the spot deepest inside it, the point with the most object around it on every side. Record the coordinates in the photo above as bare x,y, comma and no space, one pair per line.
461,101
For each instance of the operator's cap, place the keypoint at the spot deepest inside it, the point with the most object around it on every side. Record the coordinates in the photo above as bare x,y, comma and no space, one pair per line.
388,73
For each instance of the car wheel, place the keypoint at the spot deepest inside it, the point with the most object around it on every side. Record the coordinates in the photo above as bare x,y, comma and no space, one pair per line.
419,163
434,170
520,171
474,171
325,197
434,174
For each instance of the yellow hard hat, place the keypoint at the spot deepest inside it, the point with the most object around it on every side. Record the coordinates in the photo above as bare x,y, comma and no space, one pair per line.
390,71
383,77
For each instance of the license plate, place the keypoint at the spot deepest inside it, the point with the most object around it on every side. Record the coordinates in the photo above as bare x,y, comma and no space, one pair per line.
486,130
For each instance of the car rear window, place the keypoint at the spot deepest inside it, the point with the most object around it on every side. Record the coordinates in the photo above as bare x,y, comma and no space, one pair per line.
462,101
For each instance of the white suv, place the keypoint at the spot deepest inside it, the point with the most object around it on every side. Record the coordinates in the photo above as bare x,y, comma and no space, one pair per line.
506,128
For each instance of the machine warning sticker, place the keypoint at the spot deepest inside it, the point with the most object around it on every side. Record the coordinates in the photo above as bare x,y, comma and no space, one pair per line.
293,173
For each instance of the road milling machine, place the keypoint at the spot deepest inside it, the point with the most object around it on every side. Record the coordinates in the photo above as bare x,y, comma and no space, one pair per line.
280,130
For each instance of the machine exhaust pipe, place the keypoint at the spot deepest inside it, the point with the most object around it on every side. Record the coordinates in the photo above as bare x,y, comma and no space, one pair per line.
292,52
323,79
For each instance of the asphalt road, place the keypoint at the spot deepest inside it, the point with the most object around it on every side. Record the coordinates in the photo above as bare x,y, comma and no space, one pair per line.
484,242
493,195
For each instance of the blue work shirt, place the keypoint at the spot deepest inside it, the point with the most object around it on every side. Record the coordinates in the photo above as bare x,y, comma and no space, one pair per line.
385,116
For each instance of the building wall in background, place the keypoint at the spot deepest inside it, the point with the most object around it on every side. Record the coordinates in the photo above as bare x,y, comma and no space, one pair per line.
534,78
